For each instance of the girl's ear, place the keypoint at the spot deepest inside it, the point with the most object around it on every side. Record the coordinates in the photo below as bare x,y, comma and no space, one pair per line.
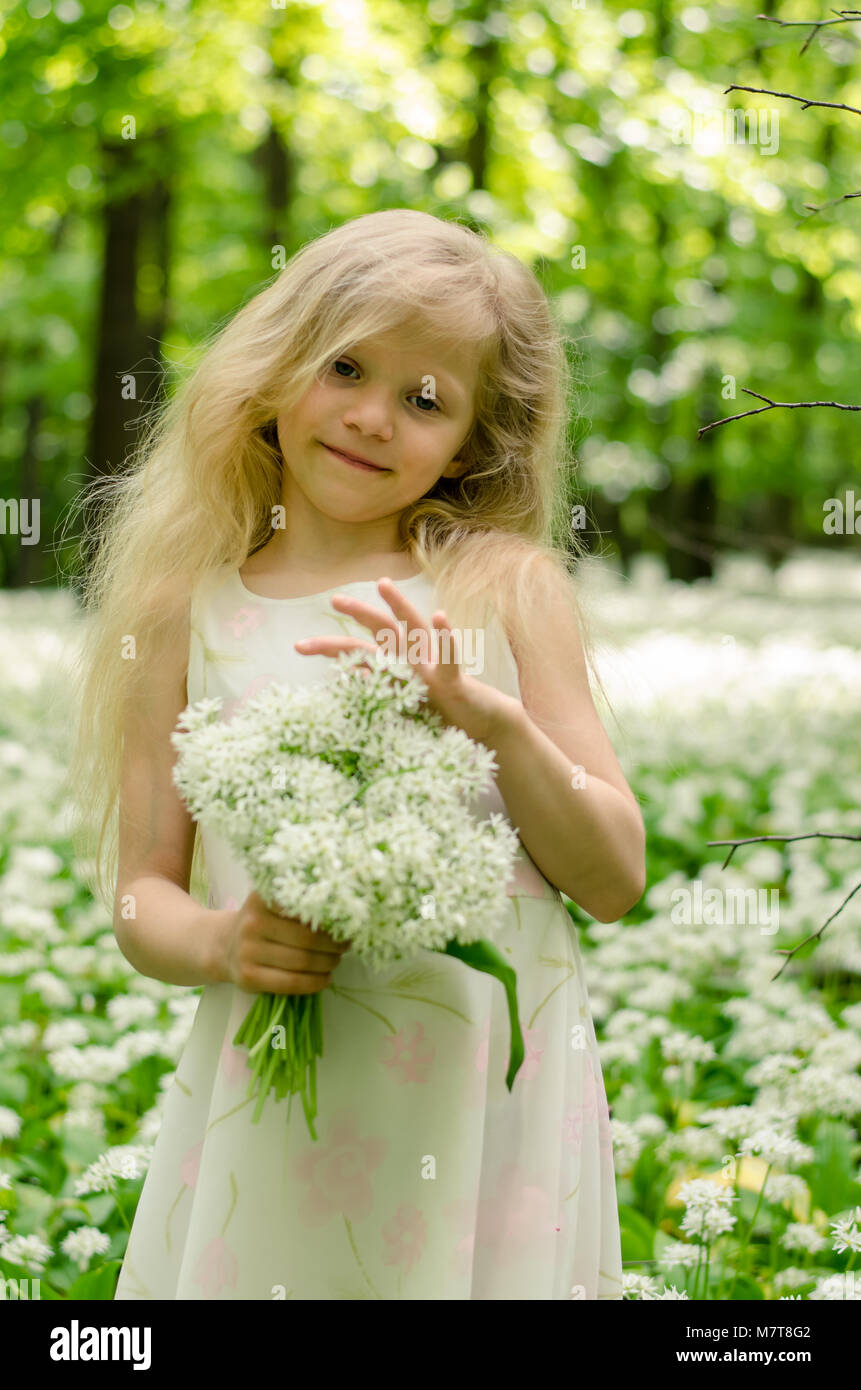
456,469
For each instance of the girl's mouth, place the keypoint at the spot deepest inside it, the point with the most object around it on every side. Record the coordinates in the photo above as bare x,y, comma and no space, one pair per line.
354,463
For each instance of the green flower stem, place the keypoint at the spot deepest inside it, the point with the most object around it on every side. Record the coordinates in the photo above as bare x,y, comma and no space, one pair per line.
357,796
289,1070
722,1268
741,1252
699,1258
119,1207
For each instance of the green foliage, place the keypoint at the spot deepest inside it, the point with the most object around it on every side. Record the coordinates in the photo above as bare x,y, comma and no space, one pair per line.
703,269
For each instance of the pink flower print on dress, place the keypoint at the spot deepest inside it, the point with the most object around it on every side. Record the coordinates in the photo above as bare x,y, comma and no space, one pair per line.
216,1268
464,1254
517,1213
191,1164
534,1041
572,1130
234,1060
339,1173
244,620
405,1236
413,1057
471,1067
591,1111
460,1215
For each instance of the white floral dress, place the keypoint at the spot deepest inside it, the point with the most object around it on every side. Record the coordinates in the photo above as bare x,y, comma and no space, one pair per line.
428,1179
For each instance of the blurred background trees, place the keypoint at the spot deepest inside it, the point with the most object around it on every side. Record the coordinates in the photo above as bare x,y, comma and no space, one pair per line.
160,161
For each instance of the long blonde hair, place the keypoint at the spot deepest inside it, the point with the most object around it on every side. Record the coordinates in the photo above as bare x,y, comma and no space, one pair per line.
200,489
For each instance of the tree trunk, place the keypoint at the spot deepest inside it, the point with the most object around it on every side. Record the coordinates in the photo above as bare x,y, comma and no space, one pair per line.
128,369
275,162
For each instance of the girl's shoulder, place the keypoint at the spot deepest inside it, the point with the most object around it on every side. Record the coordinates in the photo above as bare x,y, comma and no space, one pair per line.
215,586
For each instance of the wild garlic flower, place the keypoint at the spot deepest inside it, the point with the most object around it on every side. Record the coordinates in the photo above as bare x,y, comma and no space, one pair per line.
348,806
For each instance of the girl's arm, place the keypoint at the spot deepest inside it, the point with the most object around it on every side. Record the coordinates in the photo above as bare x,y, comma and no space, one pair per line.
589,840
160,929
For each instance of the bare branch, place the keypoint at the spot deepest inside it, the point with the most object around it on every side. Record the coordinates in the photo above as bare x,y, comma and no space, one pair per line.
844,17
758,839
772,405
829,204
814,936
790,96
786,839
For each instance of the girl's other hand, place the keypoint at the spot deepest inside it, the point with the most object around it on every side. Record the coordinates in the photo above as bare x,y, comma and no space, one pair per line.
479,709
264,952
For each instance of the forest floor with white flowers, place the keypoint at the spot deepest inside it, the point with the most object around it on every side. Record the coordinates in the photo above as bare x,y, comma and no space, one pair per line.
735,1096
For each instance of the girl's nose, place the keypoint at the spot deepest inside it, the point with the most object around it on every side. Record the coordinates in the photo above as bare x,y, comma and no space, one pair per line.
373,415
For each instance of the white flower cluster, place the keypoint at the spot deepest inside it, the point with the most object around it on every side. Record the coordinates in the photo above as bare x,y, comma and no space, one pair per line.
83,1243
683,1047
10,1123
346,803
776,1146
102,1064
648,1288
706,1209
122,1161
846,1233
30,1252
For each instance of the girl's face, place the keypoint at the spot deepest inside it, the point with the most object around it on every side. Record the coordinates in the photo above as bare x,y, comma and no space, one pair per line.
402,405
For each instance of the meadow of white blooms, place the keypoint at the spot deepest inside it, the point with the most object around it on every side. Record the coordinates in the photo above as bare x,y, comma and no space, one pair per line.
348,804
735,1096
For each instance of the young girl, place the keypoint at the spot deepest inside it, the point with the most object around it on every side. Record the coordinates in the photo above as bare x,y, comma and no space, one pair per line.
376,439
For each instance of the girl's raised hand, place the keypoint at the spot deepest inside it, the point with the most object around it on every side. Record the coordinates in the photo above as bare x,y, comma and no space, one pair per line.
480,710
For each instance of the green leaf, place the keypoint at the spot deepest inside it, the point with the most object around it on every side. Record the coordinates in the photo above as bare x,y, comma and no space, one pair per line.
745,1288
9,1270
34,1208
81,1147
13,1088
100,1206
480,955
97,1284
645,1178
830,1176
638,1234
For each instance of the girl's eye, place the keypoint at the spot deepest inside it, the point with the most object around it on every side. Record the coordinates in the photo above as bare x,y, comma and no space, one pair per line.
427,400
341,362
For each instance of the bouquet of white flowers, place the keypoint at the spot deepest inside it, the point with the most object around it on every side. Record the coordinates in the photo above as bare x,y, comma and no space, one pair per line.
346,804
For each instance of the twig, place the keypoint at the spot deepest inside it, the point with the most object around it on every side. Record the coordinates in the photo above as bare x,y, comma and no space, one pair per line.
790,96
844,17
829,204
811,835
686,544
758,839
814,936
772,405
728,536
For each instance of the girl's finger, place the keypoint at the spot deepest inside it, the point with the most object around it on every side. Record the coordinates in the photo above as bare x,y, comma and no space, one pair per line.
374,618
363,613
409,614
